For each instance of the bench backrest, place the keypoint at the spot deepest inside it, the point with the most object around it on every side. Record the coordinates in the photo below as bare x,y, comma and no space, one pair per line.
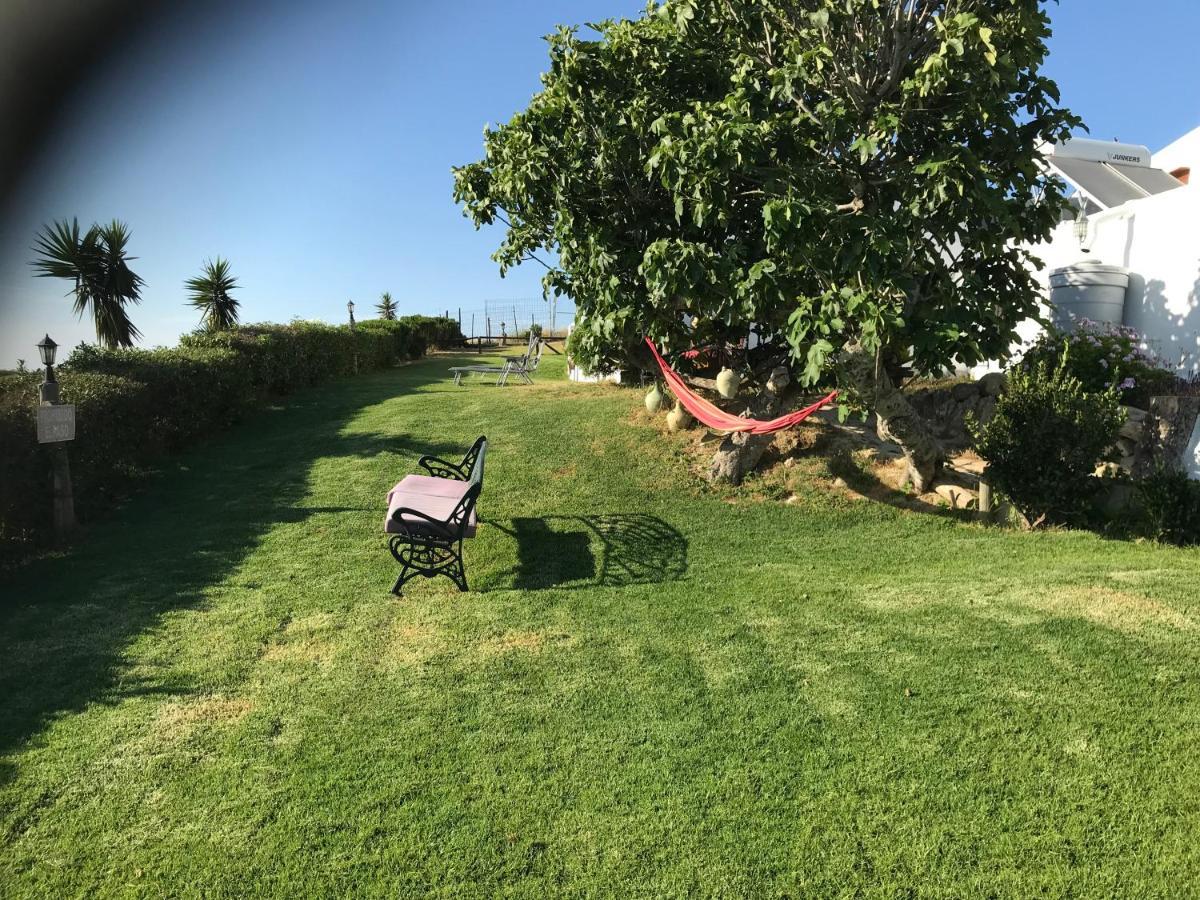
476,476
460,518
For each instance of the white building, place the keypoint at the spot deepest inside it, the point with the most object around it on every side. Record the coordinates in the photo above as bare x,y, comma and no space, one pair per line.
1144,215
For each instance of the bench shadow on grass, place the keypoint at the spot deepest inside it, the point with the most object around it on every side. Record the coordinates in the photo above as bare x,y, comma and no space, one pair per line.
633,548
66,621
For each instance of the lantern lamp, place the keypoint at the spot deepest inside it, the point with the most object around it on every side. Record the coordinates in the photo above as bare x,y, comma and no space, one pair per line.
47,350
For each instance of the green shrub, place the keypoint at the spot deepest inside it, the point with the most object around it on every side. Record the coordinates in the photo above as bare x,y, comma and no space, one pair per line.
133,406
408,341
1044,441
24,469
574,339
279,359
1171,506
182,393
1101,356
438,331
115,438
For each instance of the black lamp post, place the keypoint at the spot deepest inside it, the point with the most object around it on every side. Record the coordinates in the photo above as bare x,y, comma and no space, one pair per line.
350,309
64,498
47,350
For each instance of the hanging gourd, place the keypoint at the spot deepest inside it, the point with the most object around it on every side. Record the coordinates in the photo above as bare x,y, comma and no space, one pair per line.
678,419
728,382
654,400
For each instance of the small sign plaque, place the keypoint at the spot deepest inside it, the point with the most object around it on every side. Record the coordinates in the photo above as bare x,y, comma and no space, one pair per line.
56,423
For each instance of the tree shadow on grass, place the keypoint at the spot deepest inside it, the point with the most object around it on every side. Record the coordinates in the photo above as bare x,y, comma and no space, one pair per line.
66,621
872,487
837,451
612,550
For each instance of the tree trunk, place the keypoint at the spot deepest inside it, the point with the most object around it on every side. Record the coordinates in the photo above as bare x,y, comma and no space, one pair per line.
897,420
739,453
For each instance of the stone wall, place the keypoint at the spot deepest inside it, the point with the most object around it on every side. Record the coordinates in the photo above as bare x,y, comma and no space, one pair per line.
945,408
1165,435
1159,436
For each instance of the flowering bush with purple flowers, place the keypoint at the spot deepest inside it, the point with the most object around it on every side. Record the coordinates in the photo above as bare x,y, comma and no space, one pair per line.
1103,356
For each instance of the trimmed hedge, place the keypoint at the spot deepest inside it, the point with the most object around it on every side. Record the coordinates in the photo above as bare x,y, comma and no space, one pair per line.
134,406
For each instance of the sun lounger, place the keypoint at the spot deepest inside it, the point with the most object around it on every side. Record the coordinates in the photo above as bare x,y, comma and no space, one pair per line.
522,366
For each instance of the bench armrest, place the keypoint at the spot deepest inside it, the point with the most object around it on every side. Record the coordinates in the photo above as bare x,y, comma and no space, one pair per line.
440,468
400,512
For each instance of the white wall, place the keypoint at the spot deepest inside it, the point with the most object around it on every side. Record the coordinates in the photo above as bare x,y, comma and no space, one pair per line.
1182,152
1158,239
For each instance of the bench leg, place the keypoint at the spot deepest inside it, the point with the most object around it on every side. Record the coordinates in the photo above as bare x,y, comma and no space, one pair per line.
404,576
457,573
453,569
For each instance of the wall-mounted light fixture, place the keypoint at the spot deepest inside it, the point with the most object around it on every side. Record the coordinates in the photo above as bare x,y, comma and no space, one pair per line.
1083,227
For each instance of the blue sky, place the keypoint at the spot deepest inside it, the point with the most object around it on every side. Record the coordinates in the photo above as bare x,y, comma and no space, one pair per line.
311,145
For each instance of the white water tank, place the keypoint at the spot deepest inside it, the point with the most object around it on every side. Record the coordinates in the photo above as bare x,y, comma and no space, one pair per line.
1087,290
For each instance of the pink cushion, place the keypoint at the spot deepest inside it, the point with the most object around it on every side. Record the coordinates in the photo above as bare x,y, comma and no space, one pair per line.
438,507
428,486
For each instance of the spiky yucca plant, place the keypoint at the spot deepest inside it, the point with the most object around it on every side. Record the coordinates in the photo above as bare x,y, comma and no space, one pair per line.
98,265
386,306
211,292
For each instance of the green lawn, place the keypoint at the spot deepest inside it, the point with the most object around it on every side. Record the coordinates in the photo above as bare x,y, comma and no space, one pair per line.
652,689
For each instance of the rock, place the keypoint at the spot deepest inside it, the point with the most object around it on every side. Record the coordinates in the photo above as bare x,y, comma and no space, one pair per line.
1004,513
965,391
957,497
840,483
1133,414
943,420
1132,431
1126,447
992,384
678,419
1107,470
792,500
1127,463
986,408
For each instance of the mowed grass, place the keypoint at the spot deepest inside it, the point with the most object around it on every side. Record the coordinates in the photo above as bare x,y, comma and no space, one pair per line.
653,688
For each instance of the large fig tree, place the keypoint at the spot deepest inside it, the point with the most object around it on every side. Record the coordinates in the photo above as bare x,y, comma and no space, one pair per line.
855,181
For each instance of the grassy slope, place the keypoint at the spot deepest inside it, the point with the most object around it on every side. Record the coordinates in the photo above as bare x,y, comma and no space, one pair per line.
650,690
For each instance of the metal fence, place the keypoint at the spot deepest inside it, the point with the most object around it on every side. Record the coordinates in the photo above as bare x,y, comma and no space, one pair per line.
512,317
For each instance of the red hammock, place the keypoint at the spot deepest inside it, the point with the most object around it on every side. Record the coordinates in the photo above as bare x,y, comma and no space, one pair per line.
719,420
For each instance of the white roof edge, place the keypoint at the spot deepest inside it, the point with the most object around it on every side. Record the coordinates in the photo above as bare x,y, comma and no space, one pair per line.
1183,151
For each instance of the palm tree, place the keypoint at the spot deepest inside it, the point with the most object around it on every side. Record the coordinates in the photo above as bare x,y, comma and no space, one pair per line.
386,306
97,263
211,292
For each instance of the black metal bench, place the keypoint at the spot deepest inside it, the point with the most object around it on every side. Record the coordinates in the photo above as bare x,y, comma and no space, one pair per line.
429,516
